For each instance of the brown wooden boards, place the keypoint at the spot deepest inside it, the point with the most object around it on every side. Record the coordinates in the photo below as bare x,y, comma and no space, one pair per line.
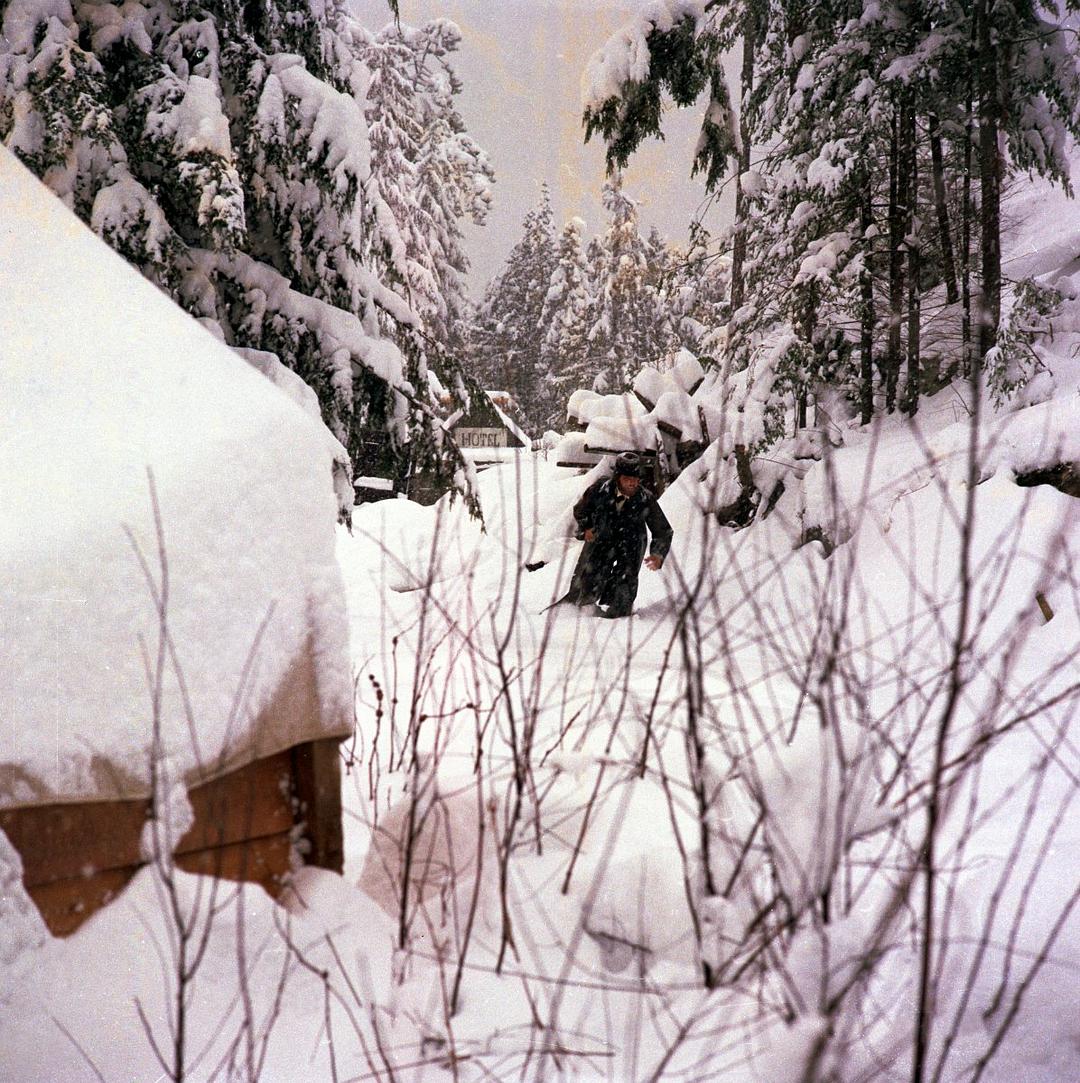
77,857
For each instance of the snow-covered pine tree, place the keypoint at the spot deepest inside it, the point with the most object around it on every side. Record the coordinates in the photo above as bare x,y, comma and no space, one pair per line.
1025,67
432,172
661,261
395,133
910,70
695,299
625,331
509,332
455,178
673,49
845,200
594,257
808,238
223,150
564,352
885,124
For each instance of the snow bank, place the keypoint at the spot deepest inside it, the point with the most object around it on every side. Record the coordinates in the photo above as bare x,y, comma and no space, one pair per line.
120,957
116,399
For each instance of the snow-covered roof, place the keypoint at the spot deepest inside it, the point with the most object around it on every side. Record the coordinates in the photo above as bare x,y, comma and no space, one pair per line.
684,402
385,485
115,398
678,411
687,371
649,384
505,419
511,425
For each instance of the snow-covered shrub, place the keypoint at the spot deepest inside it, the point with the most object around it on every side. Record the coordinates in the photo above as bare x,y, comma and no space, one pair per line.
1015,361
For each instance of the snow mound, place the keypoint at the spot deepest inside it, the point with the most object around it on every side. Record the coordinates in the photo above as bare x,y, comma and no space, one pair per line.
586,406
619,433
21,926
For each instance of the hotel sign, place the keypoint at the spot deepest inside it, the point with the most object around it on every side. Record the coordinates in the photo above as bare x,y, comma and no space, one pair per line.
474,438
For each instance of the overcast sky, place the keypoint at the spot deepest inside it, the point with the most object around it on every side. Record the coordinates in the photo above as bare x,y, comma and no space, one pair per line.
521,63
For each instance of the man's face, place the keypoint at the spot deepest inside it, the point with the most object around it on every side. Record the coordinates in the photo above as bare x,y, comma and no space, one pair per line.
627,485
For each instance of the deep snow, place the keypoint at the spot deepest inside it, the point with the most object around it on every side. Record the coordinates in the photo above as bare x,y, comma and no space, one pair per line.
819,684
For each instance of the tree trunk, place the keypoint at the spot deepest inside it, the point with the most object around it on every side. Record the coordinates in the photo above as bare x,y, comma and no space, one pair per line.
897,221
965,248
913,241
738,251
866,313
989,309
809,326
948,262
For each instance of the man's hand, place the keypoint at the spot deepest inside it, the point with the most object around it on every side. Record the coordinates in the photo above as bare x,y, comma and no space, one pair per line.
590,534
654,563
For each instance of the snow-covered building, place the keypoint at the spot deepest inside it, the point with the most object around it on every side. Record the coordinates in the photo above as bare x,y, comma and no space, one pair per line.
173,640
487,433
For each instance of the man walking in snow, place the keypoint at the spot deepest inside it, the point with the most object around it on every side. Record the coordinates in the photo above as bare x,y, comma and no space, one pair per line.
612,515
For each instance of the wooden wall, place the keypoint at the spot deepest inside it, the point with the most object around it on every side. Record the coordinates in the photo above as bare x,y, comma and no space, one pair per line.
78,857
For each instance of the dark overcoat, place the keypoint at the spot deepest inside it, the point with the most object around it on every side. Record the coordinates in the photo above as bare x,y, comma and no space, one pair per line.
607,570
